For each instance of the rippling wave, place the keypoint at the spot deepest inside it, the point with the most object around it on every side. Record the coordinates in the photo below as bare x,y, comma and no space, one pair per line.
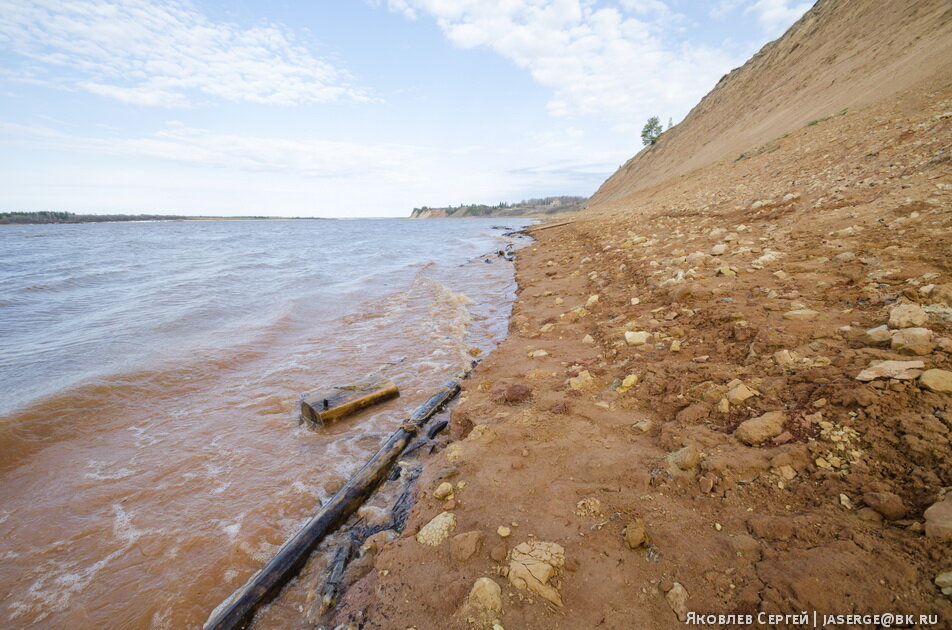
151,375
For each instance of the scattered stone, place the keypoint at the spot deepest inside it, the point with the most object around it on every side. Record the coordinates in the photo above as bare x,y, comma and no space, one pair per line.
484,603
588,339
801,315
589,506
533,565
938,381
900,370
760,429
591,301
503,531
705,484
844,257
944,582
787,472
907,316
444,491
913,341
686,458
538,354
939,519
634,534
377,541
583,381
627,383
739,393
640,338
942,294
466,545
878,335
719,249
678,600
675,346
886,503
437,530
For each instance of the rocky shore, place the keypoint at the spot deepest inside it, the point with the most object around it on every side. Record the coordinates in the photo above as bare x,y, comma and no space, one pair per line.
730,394
727,389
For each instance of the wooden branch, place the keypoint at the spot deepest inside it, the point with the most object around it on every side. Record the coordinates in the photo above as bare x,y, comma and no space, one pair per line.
239,609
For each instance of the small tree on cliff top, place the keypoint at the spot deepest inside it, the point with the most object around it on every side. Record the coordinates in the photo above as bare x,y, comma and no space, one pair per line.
651,131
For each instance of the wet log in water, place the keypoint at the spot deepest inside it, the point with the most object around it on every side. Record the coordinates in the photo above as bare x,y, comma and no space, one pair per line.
344,401
239,609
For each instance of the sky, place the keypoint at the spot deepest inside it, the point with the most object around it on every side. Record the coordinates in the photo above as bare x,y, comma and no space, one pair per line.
346,108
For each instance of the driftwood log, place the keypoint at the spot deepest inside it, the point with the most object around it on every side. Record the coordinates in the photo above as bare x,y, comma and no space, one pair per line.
344,401
239,609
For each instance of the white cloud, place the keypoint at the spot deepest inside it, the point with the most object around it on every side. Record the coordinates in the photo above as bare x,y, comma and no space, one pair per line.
163,53
775,16
200,147
619,61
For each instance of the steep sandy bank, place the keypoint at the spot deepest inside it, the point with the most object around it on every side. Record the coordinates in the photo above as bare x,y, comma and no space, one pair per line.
841,54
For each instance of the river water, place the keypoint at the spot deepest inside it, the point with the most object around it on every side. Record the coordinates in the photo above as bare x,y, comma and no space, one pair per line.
150,375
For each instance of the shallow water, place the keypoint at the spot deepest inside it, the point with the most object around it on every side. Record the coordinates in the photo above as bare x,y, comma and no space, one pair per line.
150,377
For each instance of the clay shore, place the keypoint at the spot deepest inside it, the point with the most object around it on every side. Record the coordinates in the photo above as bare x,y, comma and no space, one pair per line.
687,415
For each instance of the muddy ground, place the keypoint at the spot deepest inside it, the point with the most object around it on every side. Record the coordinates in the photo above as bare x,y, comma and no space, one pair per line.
675,423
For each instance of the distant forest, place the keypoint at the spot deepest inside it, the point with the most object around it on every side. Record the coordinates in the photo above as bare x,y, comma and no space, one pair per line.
69,217
526,207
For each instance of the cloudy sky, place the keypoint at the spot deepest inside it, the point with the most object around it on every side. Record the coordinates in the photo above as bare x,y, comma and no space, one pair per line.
346,107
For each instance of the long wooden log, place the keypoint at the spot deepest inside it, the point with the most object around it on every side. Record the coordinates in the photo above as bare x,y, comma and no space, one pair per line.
239,609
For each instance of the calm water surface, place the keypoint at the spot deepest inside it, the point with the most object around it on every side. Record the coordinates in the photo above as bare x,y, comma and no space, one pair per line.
150,456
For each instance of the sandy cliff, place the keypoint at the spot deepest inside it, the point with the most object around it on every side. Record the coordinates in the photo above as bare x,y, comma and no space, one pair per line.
727,387
840,54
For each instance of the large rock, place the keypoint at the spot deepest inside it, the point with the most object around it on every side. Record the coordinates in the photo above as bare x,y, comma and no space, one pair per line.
533,565
913,341
437,530
901,370
760,429
938,381
939,519
886,503
907,316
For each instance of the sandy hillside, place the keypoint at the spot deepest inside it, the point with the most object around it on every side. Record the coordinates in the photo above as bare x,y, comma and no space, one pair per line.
728,391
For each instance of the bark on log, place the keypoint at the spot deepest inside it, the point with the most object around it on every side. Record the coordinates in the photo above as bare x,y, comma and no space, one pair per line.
239,609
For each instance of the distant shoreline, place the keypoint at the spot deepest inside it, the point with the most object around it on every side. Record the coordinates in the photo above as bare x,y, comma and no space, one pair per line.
62,218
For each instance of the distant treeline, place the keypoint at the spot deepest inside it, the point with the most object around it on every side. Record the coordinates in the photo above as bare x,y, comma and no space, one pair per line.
69,217
546,205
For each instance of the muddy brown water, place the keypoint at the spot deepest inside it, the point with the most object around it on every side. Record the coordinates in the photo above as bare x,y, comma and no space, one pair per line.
150,375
